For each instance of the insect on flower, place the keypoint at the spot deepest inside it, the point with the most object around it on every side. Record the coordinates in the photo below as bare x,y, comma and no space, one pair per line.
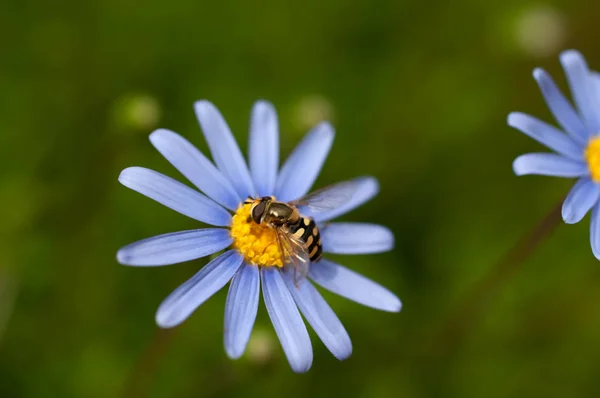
577,145
298,238
276,237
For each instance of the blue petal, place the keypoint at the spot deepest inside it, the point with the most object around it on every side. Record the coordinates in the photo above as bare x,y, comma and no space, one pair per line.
286,320
240,309
175,247
347,283
559,106
579,78
302,168
264,147
547,135
549,164
366,189
191,294
225,151
356,238
595,231
320,316
596,82
174,195
195,167
583,196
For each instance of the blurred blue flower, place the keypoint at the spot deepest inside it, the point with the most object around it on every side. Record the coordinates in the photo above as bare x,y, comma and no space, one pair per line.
224,186
578,151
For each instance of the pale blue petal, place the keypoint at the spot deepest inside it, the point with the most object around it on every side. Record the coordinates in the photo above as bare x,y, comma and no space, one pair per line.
191,294
547,135
195,167
580,82
356,238
240,309
286,320
174,195
320,316
347,283
264,147
559,106
366,189
549,164
175,247
583,196
596,83
225,150
595,231
302,168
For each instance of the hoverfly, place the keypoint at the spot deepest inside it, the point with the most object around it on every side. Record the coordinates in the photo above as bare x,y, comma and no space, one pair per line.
298,237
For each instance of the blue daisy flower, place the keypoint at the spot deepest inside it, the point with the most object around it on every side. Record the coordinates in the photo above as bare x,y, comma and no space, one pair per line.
250,260
577,145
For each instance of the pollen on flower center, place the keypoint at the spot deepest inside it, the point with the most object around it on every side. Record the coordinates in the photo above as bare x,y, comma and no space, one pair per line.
256,242
592,155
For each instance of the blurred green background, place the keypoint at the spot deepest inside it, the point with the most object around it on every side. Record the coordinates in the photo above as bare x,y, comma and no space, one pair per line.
418,93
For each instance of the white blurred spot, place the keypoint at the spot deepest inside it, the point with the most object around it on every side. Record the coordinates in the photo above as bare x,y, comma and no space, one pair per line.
311,110
260,347
139,111
540,31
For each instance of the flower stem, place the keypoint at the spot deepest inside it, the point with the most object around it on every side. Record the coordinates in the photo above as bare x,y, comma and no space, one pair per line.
142,375
470,309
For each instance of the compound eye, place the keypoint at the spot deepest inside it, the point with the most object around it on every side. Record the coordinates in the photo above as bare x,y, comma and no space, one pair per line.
258,211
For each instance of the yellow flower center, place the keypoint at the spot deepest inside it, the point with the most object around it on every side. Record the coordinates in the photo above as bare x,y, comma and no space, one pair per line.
592,155
256,242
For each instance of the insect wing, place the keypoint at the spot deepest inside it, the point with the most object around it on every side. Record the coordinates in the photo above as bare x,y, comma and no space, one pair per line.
328,198
295,254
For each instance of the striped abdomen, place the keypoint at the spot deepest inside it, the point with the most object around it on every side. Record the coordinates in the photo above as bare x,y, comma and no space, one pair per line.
307,230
